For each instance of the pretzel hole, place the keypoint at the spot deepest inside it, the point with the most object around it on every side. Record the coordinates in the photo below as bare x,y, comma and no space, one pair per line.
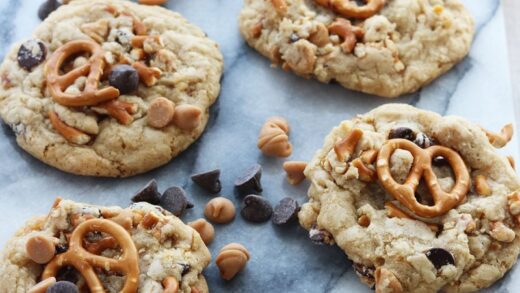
400,165
74,61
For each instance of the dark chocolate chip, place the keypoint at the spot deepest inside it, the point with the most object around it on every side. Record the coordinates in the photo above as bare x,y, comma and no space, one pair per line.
285,211
148,193
185,268
189,205
402,132
440,257
210,180
47,7
61,248
68,274
31,54
125,78
319,236
256,209
423,141
439,161
174,200
249,182
294,37
63,287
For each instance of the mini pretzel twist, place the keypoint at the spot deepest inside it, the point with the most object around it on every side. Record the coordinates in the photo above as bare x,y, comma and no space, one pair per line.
350,9
422,167
57,83
85,262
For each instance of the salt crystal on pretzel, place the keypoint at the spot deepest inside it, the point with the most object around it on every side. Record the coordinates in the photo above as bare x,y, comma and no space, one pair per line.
422,167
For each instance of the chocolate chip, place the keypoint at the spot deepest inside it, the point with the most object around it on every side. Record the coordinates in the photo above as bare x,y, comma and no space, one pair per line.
423,141
210,180
319,236
285,211
249,182
440,161
125,78
185,268
63,287
61,248
47,7
31,54
174,200
440,257
402,132
365,272
189,205
148,193
68,274
256,209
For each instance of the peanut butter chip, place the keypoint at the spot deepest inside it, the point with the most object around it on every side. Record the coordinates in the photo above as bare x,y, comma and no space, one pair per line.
205,229
170,285
220,210
231,260
42,286
273,139
160,112
187,117
294,170
40,249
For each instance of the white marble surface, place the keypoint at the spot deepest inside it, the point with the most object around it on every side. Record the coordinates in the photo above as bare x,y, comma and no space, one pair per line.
283,260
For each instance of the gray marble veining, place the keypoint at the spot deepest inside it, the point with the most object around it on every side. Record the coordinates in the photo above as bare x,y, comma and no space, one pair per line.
283,259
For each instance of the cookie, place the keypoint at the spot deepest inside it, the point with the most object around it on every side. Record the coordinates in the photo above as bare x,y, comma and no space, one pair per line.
145,248
414,216
110,88
386,48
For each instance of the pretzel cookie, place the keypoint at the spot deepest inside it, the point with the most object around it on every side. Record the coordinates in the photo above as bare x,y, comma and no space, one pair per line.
142,248
417,201
381,47
109,87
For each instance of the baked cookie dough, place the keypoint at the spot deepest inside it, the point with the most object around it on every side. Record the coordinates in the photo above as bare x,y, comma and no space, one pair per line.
148,250
418,202
110,88
386,48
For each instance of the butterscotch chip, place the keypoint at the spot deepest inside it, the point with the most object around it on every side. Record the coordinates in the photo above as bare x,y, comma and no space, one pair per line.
273,139
220,210
160,112
205,229
187,117
231,260
40,249
170,284
294,170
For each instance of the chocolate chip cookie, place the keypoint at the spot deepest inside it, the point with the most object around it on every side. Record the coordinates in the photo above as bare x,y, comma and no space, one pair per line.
110,88
419,202
142,248
382,47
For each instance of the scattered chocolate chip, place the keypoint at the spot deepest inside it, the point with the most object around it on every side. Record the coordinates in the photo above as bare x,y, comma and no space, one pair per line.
63,287
174,200
440,161
256,209
440,257
210,180
294,37
61,248
249,182
125,78
402,132
185,268
423,140
148,193
31,54
319,236
285,211
47,7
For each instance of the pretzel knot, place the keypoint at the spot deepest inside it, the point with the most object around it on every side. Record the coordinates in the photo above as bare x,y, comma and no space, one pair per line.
93,69
351,9
422,167
85,262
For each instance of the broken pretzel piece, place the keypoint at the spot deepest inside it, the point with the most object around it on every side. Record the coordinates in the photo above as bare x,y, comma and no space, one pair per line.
280,6
351,9
120,110
348,32
347,146
71,134
393,211
499,140
148,75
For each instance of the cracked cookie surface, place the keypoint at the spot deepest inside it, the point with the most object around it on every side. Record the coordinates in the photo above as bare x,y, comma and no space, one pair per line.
167,250
396,51
465,248
112,145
